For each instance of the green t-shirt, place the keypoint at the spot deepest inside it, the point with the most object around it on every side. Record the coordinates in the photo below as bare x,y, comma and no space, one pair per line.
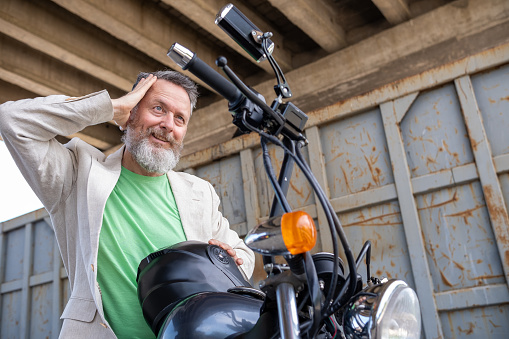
140,217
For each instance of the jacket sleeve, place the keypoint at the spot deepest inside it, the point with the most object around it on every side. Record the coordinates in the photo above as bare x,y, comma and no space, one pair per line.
222,232
29,128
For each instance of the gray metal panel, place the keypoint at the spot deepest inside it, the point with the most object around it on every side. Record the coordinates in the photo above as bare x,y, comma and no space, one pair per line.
226,177
43,241
434,132
422,185
392,112
11,320
459,239
14,249
477,322
382,225
32,294
356,155
40,315
491,89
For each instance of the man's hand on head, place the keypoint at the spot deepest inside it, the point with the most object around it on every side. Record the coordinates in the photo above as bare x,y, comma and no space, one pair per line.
122,106
228,250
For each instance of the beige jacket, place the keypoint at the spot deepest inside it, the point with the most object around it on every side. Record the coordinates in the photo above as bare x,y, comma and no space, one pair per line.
73,181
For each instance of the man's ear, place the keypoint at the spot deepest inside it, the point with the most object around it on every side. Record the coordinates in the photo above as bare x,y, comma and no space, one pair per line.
132,115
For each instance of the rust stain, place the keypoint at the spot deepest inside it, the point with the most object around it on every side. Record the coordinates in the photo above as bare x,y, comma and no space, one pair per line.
498,214
445,256
452,200
505,98
346,180
453,154
465,214
375,172
421,138
445,280
493,324
435,105
485,276
506,257
458,265
364,221
473,142
335,157
300,192
429,160
469,330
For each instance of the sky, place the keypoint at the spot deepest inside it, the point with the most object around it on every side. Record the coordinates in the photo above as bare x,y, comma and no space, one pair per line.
16,197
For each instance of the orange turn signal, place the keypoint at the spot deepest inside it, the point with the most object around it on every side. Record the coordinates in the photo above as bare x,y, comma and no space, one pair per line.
299,232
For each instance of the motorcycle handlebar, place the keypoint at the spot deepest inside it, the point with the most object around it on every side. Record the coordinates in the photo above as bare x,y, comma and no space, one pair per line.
190,61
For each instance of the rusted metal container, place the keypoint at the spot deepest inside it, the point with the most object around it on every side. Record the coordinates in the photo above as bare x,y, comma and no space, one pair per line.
419,167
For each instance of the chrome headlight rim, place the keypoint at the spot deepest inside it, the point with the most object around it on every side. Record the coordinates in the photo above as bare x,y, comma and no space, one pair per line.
371,311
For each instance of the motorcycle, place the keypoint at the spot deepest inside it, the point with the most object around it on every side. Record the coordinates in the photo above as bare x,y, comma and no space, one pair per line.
195,290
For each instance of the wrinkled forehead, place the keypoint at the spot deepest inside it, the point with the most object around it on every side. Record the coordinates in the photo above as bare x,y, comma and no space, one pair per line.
169,94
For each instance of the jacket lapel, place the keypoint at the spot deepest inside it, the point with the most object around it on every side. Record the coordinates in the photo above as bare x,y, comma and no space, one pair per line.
188,200
102,179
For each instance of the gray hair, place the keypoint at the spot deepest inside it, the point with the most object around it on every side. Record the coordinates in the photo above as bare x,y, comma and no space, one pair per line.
178,79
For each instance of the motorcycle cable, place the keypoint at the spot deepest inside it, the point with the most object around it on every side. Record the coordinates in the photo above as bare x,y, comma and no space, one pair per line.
272,177
365,251
312,279
335,250
338,227
222,63
350,284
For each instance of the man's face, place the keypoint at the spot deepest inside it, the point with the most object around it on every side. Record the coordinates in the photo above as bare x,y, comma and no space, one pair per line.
155,134
165,108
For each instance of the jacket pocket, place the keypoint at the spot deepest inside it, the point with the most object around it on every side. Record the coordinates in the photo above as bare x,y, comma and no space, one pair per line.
79,309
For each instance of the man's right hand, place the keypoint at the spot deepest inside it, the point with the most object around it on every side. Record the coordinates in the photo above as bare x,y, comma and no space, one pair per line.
122,106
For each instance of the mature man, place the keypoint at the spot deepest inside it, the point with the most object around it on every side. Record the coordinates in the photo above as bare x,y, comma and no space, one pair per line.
108,213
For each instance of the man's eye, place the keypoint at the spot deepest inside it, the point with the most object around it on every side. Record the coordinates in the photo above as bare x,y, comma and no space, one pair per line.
158,108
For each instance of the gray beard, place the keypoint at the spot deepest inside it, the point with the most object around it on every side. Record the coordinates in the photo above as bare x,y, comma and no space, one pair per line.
151,157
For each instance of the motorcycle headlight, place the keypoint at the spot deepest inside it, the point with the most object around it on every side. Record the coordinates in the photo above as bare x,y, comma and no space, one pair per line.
389,310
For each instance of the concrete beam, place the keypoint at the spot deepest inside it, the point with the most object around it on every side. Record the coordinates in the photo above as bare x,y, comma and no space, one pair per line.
74,42
203,13
36,87
317,19
68,57
142,25
405,50
395,11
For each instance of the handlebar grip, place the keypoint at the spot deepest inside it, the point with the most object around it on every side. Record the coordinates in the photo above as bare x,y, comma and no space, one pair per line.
190,61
